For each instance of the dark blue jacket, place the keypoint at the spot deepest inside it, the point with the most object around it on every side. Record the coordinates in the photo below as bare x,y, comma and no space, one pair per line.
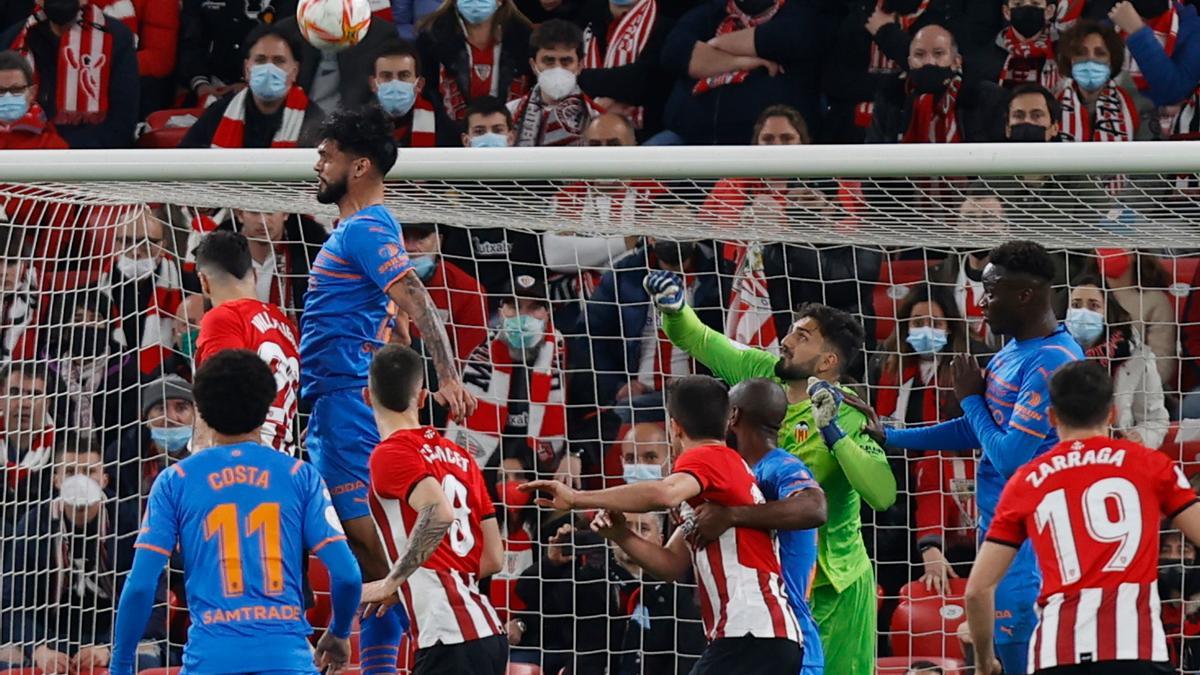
619,308
1171,78
38,605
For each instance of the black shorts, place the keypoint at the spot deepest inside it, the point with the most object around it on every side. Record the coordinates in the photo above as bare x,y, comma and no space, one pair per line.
1112,668
486,656
750,656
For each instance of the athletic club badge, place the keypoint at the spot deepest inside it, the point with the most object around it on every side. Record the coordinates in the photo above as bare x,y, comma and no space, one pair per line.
801,432
483,71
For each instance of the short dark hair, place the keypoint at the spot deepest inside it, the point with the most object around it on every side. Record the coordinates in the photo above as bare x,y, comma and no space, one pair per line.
365,131
839,328
234,389
1052,103
12,60
1024,257
397,374
700,404
32,371
64,305
399,47
226,251
265,30
556,33
1081,393
487,105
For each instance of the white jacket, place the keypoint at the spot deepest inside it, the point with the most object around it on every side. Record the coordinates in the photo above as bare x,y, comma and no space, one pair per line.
1138,395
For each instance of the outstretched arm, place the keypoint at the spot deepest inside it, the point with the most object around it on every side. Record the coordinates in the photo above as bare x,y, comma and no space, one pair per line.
666,563
411,297
134,608
653,495
954,435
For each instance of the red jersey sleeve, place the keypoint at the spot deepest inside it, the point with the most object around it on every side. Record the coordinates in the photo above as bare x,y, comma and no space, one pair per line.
220,329
1012,512
1171,487
703,465
396,468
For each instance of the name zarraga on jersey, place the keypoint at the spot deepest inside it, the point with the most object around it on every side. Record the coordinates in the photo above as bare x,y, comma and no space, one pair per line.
1072,460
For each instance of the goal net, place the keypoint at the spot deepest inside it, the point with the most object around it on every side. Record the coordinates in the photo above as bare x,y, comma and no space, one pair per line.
535,259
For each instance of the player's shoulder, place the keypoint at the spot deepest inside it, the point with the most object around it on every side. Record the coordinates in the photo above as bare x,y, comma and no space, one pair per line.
224,313
1059,349
781,463
408,441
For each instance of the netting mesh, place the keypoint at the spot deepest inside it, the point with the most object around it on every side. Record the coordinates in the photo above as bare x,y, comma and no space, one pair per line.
99,301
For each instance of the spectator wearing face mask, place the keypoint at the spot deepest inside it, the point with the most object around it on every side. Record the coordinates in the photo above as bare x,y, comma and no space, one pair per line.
92,102
161,438
932,102
470,49
631,355
1024,52
145,287
212,42
23,123
66,569
272,112
914,387
1105,331
1033,115
518,378
645,453
398,86
556,111
460,300
488,124
99,380
1163,38
1094,106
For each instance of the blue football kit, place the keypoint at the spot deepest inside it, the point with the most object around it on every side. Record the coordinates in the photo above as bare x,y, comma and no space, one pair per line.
780,475
1010,424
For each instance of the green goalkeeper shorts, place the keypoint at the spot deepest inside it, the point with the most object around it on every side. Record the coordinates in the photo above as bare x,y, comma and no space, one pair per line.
847,621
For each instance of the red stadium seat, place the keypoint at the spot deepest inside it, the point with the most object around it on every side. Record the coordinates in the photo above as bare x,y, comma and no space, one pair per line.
166,128
21,671
895,279
925,622
160,671
523,669
318,578
898,665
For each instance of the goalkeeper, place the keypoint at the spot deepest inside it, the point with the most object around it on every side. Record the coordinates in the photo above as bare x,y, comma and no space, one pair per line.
847,464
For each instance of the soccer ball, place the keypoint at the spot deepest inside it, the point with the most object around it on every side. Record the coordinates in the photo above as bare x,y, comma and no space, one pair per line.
333,25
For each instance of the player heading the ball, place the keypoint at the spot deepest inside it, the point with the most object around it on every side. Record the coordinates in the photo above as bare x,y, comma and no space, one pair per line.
244,516
1091,507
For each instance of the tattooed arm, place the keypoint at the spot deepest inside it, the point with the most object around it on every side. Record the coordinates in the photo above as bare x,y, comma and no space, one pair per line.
434,517
410,296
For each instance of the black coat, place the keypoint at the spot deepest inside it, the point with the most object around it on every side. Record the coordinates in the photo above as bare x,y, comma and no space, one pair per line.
260,128
982,112
211,36
355,64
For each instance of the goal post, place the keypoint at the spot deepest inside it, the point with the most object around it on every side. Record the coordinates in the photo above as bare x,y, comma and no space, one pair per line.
885,232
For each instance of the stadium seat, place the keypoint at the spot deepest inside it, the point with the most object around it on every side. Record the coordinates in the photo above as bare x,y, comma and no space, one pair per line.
898,665
160,671
318,578
896,277
21,671
166,128
925,622
523,669
1182,444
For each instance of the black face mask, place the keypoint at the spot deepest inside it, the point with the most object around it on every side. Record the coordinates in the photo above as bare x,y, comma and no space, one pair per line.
61,11
1028,20
1027,133
901,6
931,79
673,253
1149,9
1170,577
754,7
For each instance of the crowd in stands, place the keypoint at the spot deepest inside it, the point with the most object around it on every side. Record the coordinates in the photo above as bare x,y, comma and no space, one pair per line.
100,308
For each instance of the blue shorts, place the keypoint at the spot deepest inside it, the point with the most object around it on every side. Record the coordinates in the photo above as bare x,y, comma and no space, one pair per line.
341,436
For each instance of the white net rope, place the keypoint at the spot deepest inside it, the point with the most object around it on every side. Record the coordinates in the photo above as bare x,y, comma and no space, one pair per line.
98,300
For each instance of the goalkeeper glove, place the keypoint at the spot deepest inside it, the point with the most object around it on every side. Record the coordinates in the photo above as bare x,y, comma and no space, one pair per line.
665,289
826,400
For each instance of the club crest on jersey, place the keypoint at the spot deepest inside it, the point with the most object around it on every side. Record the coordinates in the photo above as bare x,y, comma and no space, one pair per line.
483,71
801,432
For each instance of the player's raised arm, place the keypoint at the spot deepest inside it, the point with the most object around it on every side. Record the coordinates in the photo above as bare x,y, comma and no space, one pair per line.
665,563
643,497
410,296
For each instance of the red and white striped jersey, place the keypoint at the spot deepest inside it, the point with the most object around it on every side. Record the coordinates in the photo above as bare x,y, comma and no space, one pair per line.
442,597
741,589
1092,508
262,328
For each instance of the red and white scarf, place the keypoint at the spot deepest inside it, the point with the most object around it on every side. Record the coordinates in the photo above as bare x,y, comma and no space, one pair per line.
231,131
750,320
453,101
418,132
541,124
32,122
627,39
1116,115
934,117
1166,31
39,455
488,373
123,11
84,65
1027,60
159,316
735,20
1068,13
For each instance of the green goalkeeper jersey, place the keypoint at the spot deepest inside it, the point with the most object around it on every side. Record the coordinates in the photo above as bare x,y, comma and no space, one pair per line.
856,465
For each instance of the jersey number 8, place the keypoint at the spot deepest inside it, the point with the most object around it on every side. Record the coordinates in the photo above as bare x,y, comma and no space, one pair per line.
462,539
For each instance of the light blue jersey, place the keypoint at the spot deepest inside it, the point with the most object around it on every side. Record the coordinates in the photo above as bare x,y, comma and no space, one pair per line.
780,475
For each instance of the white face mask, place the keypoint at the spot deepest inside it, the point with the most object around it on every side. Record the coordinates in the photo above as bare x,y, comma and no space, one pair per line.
556,83
136,268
